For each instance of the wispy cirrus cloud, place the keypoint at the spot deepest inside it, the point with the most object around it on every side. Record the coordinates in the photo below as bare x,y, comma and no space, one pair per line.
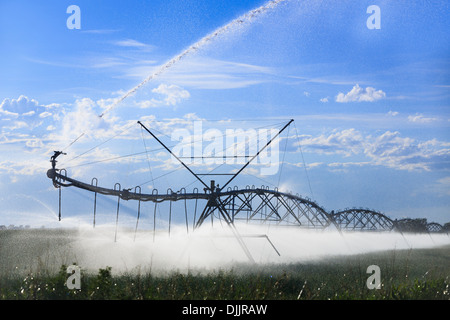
100,31
420,118
207,73
126,53
132,43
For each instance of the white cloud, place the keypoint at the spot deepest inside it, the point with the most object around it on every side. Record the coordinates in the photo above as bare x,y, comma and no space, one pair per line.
172,95
17,107
443,186
100,31
24,123
324,100
358,94
84,119
167,126
106,103
26,109
206,73
440,187
345,142
131,43
16,125
152,103
34,143
393,113
108,62
419,118
22,167
32,138
45,114
29,113
34,131
388,149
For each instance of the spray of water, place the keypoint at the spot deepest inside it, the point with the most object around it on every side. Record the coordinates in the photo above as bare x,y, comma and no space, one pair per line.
216,247
209,248
243,20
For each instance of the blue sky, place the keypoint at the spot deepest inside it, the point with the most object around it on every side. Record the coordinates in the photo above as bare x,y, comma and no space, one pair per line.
371,106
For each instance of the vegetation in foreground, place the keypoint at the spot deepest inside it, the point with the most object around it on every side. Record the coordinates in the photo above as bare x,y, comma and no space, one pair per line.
405,274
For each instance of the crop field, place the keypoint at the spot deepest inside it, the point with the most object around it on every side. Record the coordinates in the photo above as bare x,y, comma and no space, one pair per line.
33,265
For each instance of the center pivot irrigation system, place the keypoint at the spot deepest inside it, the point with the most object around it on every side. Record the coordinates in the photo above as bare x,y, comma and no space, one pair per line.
251,204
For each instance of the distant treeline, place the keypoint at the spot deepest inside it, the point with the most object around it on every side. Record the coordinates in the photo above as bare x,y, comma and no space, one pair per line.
417,225
14,227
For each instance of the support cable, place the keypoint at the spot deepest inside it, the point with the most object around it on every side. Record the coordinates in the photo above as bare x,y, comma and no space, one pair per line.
303,160
282,161
148,158
127,127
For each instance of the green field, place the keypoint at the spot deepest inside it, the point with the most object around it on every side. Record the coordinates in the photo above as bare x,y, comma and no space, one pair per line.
34,267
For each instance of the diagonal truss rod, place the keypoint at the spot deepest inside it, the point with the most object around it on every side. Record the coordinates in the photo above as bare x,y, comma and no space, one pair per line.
170,151
257,154
211,188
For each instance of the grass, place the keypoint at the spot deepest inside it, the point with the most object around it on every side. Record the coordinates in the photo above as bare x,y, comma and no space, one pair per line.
405,274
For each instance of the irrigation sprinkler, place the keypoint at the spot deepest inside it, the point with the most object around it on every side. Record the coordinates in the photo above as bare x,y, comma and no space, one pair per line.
260,205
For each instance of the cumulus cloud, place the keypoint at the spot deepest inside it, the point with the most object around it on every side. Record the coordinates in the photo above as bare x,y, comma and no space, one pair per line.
358,94
173,93
388,149
31,131
25,123
22,141
17,107
171,96
27,109
21,167
392,150
84,119
393,113
345,142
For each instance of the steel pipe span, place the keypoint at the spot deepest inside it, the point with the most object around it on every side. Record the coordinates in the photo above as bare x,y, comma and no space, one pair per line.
259,205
